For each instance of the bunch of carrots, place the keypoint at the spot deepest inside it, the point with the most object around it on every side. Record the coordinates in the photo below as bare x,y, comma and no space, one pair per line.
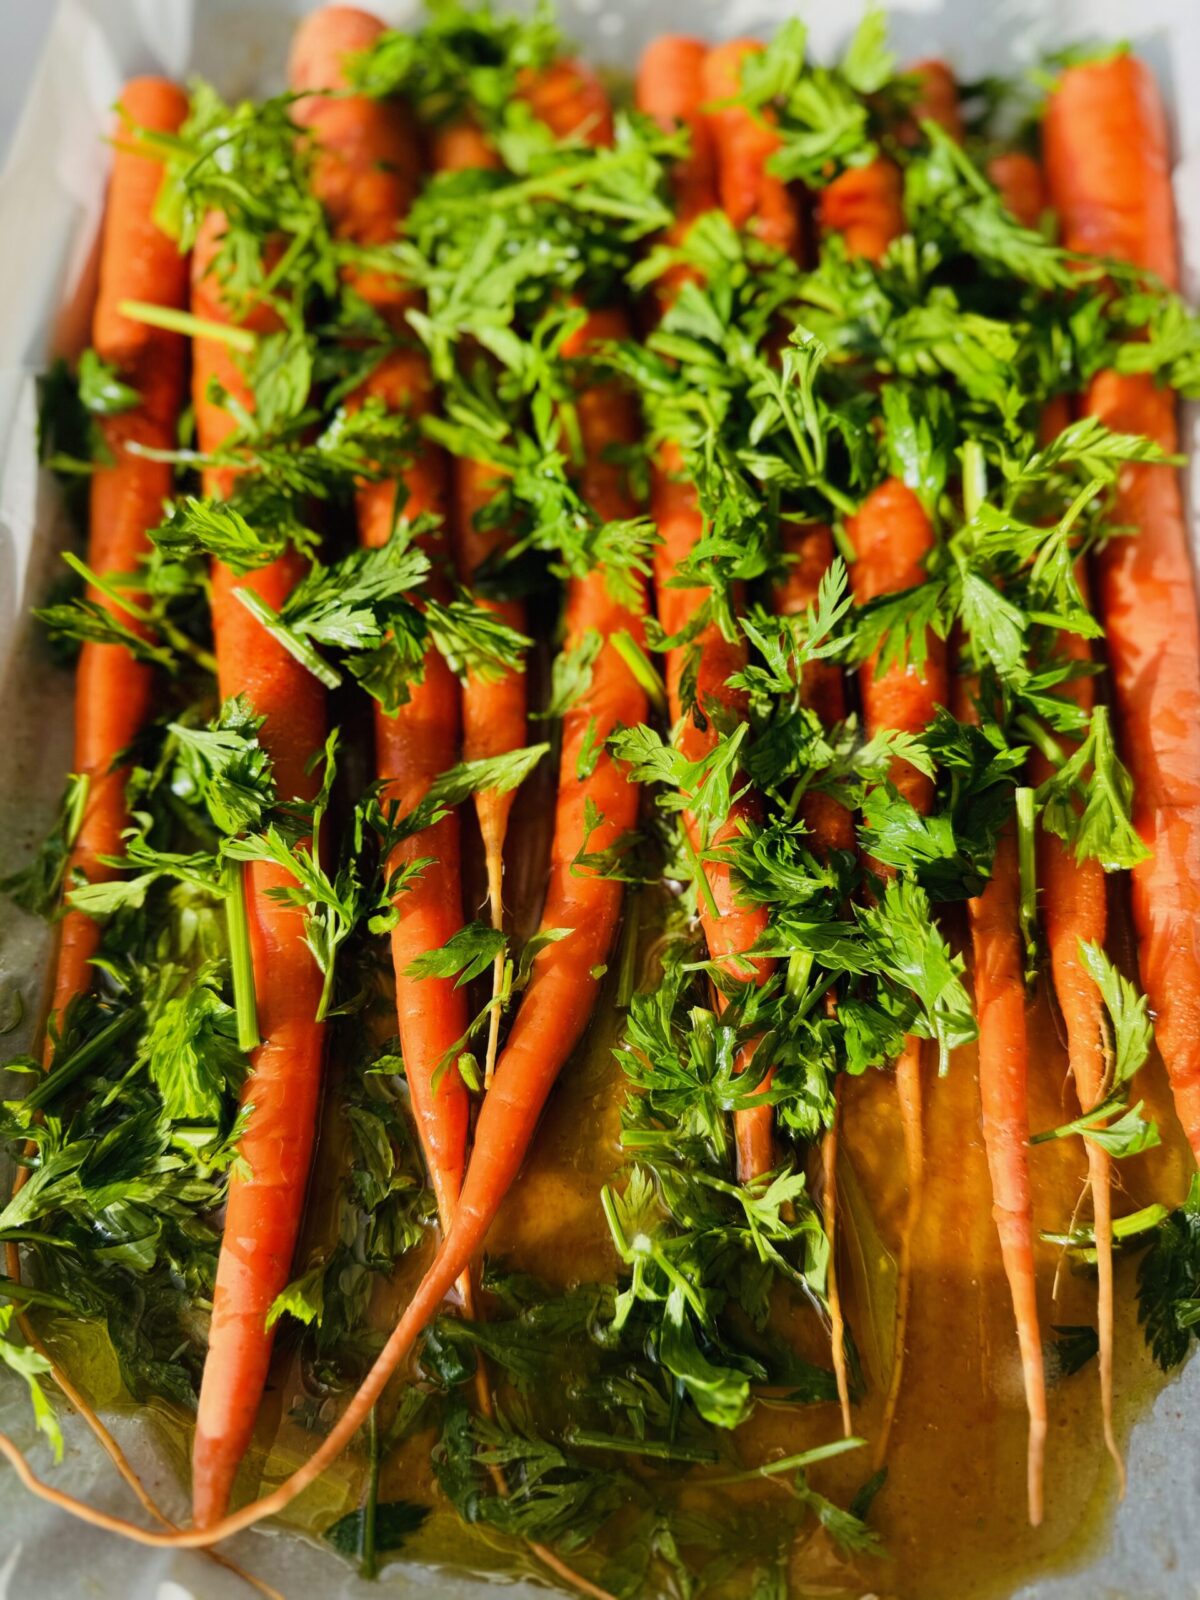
1104,175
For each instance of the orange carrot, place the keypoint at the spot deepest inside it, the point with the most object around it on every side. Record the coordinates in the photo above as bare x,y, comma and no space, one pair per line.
266,1190
1108,168
1074,895
570,99
671,90
892,538
751,196
1003,1064
365,175
1018,179
865,206
937,96
494,709
112,689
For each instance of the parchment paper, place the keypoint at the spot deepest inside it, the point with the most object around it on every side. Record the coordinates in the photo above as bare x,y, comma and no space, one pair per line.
51,192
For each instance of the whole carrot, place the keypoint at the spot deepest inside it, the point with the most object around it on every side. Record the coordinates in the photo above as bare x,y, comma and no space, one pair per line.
999,982
493,708
1107,165
365,174
266,1190
751,196
1074,894
670,89
112,689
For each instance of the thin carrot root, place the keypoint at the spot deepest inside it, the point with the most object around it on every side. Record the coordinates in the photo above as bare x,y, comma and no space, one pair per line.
493,818
1100,1178
908,1092
837,1323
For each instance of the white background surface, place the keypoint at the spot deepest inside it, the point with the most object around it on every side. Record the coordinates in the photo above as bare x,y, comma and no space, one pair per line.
51,191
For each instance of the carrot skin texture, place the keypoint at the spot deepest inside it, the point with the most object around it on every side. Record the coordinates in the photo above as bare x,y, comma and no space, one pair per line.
750,195
113,690
366,173
1108,167
266,1191
892,536
138,261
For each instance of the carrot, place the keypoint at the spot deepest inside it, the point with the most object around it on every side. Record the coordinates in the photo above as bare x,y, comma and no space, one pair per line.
266,1190
670,89
570,99
937,96
113,690
1074,894
1018,179
1107,164
751,196
891,537
1075,910
1003,1064
865,206
365,174
493,709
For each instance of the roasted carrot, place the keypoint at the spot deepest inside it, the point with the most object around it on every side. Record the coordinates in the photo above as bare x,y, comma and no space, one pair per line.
493,708
751,196
1003,1064
1074,895
1107,165
112,689
891,537
670,89
266,1190
365,175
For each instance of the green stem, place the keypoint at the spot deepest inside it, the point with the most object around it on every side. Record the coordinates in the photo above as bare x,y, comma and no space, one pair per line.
288,638
974,477
184,322
1027,866
798,1463
1041,739
62,1076
626,972
656,1449
125,602
644,671
240,964
702,884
